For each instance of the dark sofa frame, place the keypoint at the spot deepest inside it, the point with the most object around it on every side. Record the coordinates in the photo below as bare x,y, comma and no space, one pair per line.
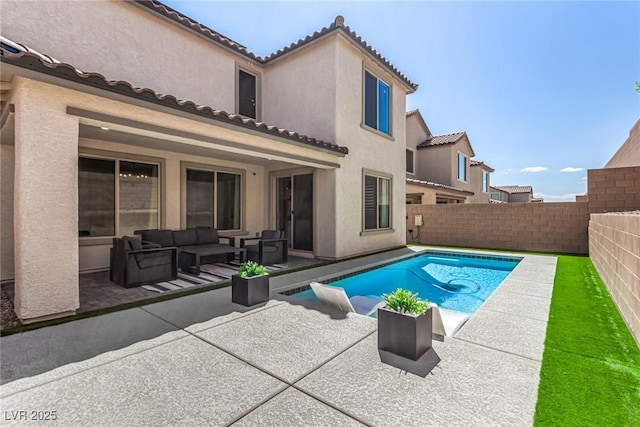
126,269
191,238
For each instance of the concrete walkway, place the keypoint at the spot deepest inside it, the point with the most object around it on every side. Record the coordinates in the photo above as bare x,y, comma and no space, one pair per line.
201,360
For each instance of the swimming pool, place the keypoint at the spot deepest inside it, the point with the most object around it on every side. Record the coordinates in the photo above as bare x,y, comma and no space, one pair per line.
457,281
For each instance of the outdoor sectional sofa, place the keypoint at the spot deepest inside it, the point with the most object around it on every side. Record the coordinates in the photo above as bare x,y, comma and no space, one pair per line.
194,244
135,264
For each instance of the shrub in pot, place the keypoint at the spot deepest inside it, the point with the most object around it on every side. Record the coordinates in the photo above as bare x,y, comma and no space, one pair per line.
251,285
405,325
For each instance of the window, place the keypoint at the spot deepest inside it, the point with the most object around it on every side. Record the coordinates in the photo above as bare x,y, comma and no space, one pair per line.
116,197
377,107
247,94
485,181
213,199
495,196
410,162
462,167
377,198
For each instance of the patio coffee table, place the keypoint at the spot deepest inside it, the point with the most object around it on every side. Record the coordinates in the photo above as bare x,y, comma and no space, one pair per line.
199,252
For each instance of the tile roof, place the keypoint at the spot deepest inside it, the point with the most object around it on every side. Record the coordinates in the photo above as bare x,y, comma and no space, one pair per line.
515,189
19,55
337,25
475,162
436,140
439,186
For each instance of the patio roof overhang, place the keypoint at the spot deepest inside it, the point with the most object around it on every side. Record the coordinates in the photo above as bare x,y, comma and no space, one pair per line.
224,135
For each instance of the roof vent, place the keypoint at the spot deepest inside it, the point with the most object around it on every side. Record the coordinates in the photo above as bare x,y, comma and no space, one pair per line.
339,21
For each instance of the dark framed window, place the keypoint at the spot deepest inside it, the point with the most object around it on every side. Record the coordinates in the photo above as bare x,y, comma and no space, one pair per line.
213,199
377,103
117,197
247,94
410,162
377,202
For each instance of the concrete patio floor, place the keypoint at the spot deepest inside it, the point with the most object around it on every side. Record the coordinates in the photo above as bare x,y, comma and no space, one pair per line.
202,360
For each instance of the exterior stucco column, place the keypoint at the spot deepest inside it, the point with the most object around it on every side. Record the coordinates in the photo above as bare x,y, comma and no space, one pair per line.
45,205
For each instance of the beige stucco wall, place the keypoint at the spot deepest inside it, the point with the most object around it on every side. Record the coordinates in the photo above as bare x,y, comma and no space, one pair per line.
520,198
299,91
434,164
614,248
415,135
428,194
475,175
629,153
367,149
6,211
124,42
45,204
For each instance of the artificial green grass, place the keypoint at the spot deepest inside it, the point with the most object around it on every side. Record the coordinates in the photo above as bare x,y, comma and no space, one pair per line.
590,373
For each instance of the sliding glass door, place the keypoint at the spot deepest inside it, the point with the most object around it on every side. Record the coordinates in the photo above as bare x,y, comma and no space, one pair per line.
294,210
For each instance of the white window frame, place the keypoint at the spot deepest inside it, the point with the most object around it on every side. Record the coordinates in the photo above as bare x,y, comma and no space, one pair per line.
378,175
485,181
466,167
413,158
117,159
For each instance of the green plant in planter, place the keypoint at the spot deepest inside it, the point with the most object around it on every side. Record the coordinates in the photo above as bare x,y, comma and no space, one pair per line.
403,301
252,269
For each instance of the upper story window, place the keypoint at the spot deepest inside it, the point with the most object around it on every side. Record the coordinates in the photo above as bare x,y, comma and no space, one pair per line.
377,103
462,167
411,167
247,94
485,181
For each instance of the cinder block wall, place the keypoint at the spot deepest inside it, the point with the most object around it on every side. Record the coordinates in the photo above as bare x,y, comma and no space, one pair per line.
614,189
614,247
547,227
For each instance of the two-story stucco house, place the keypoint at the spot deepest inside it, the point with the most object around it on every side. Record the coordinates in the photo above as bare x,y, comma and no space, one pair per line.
440,168
129,115
513,194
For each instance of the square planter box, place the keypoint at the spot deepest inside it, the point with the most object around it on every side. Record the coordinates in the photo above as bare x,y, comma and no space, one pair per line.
250,291
406,335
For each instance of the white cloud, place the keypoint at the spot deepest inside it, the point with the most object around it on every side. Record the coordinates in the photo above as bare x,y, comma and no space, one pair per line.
571,169
534,169
583,179
569,197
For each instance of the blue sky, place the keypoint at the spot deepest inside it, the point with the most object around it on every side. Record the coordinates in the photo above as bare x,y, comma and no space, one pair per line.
538,86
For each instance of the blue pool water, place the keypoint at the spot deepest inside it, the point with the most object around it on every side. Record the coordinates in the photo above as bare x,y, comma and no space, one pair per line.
451,281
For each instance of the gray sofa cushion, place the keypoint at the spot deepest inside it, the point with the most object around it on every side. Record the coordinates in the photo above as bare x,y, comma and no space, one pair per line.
131,243
207,236
153,259
164,237
185,237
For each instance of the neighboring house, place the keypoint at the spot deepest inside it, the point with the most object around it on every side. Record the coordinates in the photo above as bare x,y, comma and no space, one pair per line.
439,167
513,194
480,174
185,127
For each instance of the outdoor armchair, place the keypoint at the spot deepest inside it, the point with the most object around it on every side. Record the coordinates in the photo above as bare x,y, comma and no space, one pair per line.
132,265
272,247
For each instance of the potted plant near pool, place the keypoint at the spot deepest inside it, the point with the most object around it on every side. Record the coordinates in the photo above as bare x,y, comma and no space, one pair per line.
251,285
405,325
